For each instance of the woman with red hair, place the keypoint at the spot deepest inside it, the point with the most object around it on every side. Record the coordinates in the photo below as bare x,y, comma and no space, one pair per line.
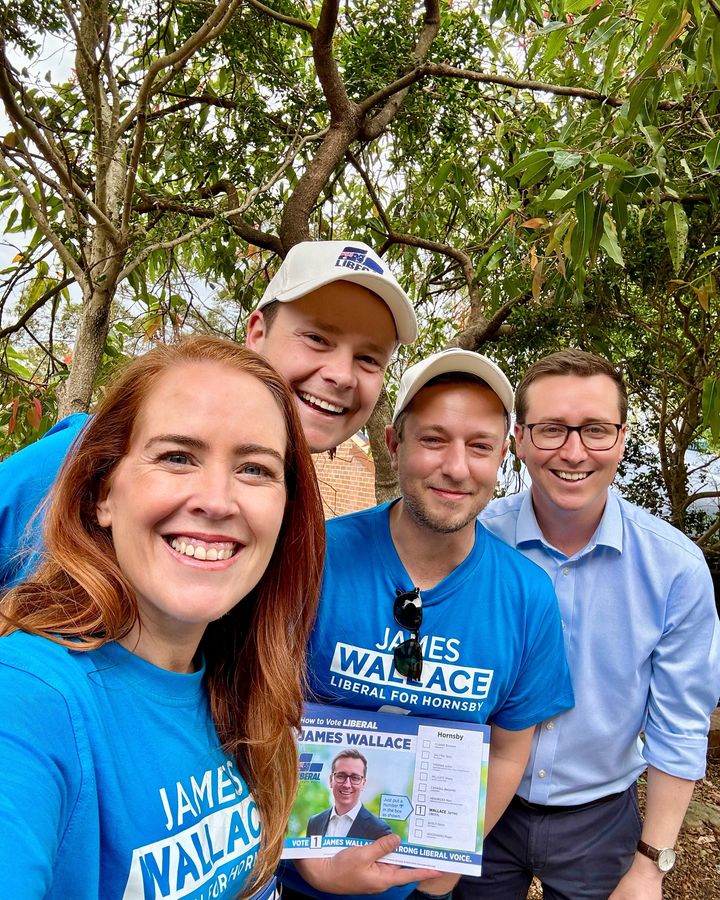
151,670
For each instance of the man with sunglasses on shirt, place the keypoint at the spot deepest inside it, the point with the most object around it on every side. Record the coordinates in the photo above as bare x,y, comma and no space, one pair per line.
641,630
423,611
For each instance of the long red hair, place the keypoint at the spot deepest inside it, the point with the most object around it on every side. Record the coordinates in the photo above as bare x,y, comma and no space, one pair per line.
255,655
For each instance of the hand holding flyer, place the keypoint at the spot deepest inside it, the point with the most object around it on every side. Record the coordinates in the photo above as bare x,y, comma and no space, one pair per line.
364,775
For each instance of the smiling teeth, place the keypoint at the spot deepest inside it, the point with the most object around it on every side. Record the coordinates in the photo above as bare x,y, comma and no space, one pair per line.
322,404
198,551
572,476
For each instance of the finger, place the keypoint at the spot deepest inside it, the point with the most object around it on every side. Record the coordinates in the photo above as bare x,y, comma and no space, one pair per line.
400,875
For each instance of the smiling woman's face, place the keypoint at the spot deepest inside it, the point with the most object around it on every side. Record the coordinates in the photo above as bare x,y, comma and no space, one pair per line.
196,504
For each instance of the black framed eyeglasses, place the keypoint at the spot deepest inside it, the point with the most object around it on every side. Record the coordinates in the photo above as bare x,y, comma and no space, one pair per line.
408,657
342,777
554,435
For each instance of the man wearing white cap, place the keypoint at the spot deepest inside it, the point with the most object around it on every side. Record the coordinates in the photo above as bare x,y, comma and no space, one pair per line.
425,612
329,321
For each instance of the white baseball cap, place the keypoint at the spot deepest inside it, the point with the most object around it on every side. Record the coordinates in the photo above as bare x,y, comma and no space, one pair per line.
313,264
453,360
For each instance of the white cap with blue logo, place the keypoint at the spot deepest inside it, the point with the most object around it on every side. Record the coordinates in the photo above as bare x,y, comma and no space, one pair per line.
449,362
313,264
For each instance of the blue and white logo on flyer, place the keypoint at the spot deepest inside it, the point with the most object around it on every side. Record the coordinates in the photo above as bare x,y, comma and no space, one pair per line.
364,775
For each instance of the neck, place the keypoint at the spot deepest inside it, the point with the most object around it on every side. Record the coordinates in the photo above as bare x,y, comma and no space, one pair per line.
428,556
568,530
172,657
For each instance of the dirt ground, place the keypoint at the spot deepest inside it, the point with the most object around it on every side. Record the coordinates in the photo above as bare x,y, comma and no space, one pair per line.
696,875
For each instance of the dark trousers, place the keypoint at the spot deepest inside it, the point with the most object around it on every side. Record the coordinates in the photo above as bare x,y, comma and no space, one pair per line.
580,854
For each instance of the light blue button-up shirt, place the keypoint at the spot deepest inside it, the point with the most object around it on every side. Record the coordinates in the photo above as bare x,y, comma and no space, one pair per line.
643,643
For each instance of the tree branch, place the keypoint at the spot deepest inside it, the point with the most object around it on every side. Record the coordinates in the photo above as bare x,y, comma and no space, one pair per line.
38,304
287,20
443,70
214,25
43,223
375,127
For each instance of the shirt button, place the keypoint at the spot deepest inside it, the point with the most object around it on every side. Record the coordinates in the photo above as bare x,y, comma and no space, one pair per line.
566,571
549,726
564,625
541,773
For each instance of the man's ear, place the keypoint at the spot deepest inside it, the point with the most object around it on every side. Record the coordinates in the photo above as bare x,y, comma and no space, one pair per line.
391,442
256,332
519,441
505,448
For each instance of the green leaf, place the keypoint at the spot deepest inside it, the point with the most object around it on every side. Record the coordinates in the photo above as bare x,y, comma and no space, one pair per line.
711,406
604,33
616,162
565,159
676,232
712,152
609,241
584,213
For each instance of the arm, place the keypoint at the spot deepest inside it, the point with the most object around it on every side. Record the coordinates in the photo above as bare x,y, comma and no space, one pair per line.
509,754
667,801
38,759
683,692
25,480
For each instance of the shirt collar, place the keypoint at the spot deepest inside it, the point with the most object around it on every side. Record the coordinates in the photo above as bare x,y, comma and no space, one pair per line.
352,813
609,532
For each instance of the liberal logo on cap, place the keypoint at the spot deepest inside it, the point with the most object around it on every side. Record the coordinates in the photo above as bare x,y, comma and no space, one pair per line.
359,260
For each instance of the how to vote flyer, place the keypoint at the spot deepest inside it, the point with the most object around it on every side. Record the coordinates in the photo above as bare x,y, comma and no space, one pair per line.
421,778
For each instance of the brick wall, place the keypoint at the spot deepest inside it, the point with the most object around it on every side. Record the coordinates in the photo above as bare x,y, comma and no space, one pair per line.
347,482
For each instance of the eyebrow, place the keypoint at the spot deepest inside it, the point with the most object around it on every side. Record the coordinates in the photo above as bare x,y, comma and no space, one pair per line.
490,435
196,444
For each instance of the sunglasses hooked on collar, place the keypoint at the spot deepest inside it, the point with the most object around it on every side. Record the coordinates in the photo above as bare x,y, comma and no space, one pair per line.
408,656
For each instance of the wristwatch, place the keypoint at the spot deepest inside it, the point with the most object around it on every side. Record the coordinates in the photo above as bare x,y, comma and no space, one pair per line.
664,858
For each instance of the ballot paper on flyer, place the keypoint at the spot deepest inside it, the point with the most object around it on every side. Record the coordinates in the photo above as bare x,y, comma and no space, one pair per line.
425,780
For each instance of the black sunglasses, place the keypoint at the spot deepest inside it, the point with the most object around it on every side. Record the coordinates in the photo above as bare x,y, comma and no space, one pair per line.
408,657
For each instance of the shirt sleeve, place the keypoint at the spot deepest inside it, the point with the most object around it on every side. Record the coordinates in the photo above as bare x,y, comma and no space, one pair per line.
543,687
685,677
25,480
40,782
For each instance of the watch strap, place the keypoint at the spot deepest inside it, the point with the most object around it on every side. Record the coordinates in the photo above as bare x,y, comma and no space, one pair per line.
664,858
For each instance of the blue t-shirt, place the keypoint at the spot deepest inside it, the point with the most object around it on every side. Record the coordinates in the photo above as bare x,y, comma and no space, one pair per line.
113,781
25,480
491,636
491,633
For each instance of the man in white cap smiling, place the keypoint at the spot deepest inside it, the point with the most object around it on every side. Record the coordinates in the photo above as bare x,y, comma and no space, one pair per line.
329,321
425,612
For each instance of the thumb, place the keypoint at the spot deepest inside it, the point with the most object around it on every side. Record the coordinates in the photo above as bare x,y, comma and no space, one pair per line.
382,846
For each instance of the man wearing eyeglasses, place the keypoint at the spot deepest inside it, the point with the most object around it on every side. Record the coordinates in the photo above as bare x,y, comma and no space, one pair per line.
422,610
641,631
348,817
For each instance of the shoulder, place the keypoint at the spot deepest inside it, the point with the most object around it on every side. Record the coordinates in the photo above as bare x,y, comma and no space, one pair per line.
656,534
52,447
38,657
40,684
503,507
357,525
512,561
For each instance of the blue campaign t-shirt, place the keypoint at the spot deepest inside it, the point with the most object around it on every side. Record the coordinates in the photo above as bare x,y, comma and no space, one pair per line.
491,637
114,785
491,634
